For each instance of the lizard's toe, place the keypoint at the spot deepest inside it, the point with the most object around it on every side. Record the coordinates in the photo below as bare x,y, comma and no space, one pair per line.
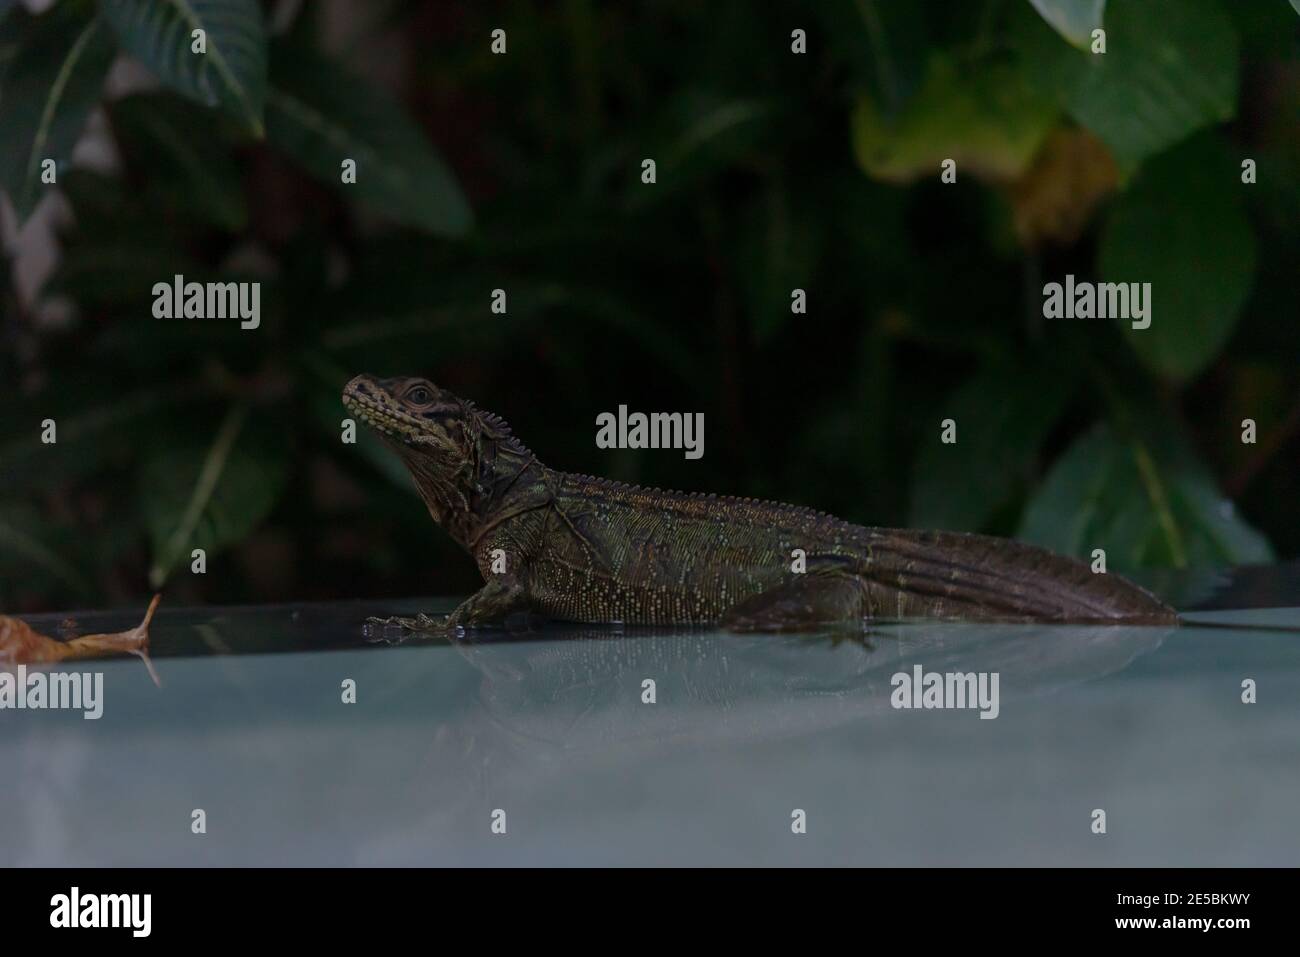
396,629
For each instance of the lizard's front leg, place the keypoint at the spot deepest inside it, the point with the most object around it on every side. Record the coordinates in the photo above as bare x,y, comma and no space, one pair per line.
500,597
491,604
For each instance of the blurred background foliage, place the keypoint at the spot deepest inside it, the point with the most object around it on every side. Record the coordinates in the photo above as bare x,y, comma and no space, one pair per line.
776,171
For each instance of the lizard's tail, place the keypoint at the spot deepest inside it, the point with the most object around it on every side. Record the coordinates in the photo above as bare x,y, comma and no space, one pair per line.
956,575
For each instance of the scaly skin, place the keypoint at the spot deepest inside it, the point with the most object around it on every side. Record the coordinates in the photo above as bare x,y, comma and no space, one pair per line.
591,550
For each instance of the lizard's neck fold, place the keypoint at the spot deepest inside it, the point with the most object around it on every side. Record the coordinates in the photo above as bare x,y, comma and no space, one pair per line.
499,479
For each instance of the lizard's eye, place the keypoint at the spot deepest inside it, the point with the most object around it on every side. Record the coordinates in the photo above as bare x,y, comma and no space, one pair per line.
419,395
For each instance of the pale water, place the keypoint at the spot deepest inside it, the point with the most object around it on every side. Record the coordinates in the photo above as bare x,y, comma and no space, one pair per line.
551,728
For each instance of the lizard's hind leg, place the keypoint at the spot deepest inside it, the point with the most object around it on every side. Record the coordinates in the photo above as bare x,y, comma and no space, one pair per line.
808,602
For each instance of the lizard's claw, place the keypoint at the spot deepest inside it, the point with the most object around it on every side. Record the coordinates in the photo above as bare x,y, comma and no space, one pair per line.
420,622
380,629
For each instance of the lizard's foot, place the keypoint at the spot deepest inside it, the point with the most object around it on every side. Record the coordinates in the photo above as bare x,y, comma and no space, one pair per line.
808,603
489,607
396,629
420,622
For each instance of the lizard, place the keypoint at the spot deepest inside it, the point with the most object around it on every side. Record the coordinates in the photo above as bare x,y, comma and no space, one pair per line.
574,547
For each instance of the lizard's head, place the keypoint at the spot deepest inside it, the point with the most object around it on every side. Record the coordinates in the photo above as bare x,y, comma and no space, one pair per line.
413,415
448,445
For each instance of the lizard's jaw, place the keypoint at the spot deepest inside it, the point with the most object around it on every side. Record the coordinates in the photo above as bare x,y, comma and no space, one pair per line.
374,408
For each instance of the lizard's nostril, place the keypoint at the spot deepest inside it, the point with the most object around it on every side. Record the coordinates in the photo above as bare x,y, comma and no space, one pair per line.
358,385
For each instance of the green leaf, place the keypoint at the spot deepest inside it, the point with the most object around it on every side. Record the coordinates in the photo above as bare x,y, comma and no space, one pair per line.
1003,415
456,330
324,386
696,134
93,426
116,249
883,42
777,251
1296,4
328,415
50,87
15,22
25,553
712,131
1144,499
230,74
1267,32
1073,19
187,160
95,273
320,115
209,496
984,116
1170,68
1180,227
